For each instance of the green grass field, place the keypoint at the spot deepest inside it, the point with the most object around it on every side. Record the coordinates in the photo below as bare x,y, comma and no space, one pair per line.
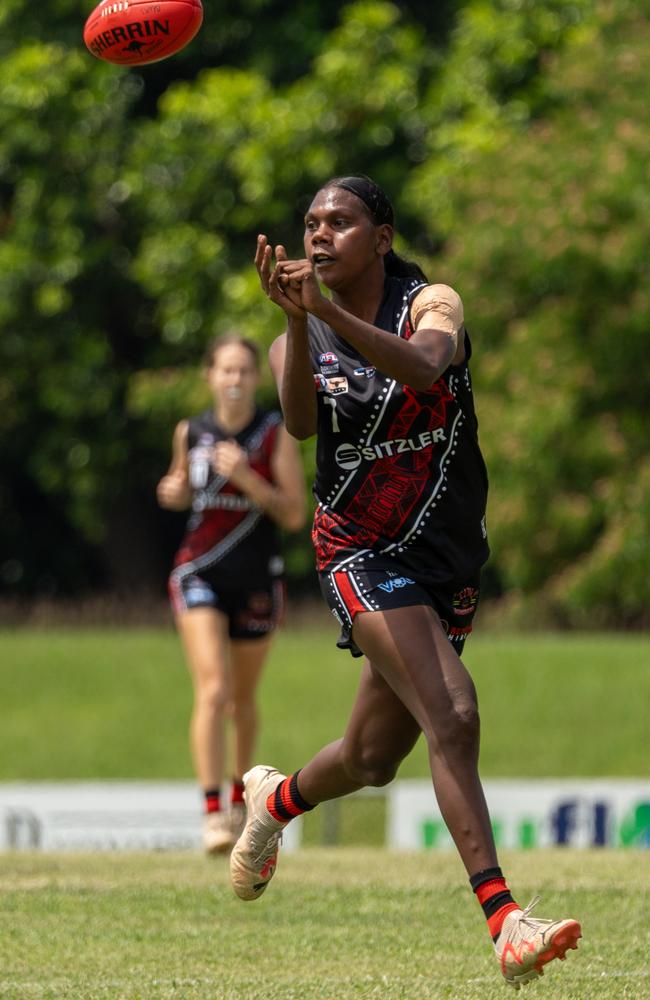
115,703
110,703
335,924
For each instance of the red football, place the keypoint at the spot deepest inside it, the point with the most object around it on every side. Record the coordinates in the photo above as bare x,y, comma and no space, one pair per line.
134,32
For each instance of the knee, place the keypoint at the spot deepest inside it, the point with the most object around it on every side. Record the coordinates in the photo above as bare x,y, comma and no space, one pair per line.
213,697
460,729
243,707
369,766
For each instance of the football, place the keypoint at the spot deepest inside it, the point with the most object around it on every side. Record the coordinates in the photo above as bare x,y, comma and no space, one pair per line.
136,32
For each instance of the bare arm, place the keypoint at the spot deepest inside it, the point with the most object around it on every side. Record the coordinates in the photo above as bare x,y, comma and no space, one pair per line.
283,499
286,465
291,366
437,315
173,492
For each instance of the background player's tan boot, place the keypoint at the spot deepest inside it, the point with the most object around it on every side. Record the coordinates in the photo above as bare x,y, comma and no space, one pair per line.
217,833
237,820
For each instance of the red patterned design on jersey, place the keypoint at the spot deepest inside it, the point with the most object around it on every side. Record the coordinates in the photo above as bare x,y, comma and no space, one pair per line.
326,537
393,487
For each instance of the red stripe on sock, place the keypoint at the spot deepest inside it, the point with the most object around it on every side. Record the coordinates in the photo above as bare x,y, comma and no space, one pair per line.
270,805
489,889
287,801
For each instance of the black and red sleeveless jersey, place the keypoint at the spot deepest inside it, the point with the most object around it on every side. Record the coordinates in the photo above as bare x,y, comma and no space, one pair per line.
399,471
225,528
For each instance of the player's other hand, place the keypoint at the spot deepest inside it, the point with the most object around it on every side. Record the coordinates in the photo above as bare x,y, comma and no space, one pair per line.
230,461
299,276
173,491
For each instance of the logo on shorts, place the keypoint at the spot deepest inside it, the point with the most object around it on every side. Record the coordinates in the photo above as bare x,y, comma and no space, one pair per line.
458,634
390,585
198,593
260,603
248,623
464,601
328,363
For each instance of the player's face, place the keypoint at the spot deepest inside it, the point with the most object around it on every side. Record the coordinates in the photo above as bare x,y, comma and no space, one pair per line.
233,376
341,239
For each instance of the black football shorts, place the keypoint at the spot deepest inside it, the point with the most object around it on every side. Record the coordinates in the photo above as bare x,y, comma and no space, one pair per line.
252,612
384,585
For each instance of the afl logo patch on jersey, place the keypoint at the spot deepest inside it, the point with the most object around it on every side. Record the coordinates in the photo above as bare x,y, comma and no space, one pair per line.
347,456
328,363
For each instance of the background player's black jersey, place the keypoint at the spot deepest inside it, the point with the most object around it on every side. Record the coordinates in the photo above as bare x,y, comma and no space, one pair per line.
225,528
399,471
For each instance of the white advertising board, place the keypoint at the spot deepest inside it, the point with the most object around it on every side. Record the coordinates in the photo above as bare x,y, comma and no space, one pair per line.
98,816
577,812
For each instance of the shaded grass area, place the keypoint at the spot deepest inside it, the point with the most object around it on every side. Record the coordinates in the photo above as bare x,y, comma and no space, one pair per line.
338,924
110,703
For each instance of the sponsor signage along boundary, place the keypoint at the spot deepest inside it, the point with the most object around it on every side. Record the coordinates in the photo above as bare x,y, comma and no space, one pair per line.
104,816
574,812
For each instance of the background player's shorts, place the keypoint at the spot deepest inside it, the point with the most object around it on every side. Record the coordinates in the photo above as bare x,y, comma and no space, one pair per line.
387,585
252,612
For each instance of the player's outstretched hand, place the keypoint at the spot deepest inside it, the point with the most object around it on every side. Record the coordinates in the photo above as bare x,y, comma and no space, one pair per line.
230,461
282,293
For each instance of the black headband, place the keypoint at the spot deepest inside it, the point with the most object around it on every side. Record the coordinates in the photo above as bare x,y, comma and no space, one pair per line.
380,208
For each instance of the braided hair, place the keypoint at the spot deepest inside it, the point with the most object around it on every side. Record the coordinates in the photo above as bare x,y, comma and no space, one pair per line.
381,212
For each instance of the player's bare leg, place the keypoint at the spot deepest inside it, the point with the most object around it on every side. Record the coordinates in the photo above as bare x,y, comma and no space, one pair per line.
247,661
204,633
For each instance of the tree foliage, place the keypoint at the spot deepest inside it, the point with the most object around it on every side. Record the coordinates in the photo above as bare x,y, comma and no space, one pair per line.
553,258
510,137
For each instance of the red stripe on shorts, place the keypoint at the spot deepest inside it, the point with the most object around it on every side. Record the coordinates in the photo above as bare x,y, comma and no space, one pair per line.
348,596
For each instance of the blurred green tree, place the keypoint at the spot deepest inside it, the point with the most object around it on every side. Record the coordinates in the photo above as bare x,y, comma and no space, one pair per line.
129,205
552,255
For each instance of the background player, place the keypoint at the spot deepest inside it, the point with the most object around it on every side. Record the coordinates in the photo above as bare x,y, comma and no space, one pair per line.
240,472
380,373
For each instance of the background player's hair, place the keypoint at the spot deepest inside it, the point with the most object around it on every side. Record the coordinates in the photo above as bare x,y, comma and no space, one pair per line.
224,340
380,210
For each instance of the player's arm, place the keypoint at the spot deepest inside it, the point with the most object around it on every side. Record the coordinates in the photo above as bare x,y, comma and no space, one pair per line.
173,491
417,362
437,340
437,316
291,366
288,476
